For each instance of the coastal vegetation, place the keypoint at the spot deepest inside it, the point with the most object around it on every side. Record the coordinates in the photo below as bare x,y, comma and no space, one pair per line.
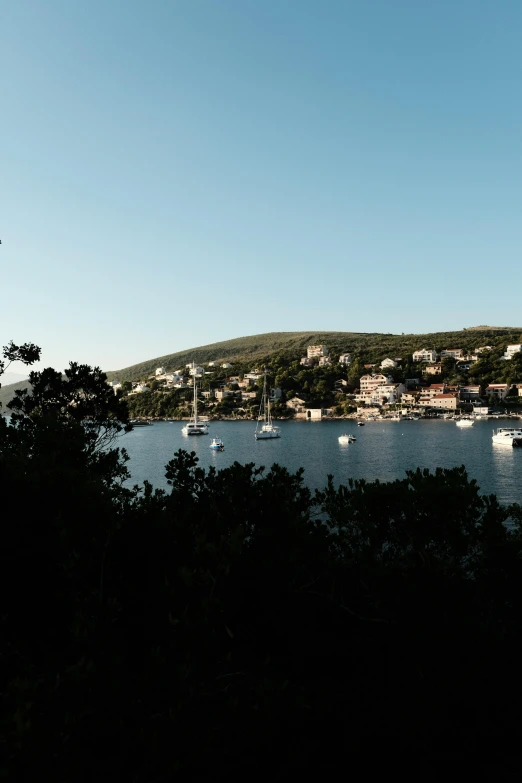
331,386
238,622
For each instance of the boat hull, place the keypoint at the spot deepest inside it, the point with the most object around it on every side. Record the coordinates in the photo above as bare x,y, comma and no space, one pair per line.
194,430
509,439
267,435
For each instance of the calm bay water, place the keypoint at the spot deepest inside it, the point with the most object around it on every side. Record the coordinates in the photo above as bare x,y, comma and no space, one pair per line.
384,450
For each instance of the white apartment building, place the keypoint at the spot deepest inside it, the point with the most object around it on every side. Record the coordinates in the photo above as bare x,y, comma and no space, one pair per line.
425,355
314,351
378,388
370,382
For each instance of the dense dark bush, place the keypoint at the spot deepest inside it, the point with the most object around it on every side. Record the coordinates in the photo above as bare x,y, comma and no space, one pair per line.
236,622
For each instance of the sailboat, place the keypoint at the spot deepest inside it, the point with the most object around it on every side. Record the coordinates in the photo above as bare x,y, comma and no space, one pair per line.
267,429
195,426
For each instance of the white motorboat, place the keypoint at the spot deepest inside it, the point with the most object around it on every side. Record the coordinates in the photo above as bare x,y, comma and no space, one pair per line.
464,422
345,439
266,430
217,444
195,426
508,436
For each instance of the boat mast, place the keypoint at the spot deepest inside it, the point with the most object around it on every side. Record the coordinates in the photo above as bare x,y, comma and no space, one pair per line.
267,402
195,394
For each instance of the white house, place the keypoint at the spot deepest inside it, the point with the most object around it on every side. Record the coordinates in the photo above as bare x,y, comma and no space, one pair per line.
478,351
498,390
212,364
445,401
197,371
388,363
452,353
220,394
140,387
160,371
314,351
511,351
345,358
324,361
425,355
226,365
306,362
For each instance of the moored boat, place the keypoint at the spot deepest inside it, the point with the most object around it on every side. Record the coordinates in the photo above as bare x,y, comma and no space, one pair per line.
508,436
195,426
217,444
267,430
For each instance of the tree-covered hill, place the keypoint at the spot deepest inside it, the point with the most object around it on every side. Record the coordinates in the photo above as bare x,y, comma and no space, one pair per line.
369,347
373,346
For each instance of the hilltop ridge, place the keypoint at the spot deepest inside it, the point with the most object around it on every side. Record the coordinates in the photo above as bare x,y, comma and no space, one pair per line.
374,345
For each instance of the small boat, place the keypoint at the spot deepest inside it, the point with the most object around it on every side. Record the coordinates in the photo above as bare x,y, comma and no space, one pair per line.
464,422
195,426
360,423
508,436
139,422
217,444
345,439
267,430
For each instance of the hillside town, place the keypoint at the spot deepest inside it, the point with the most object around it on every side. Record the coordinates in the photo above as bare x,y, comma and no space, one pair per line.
326,384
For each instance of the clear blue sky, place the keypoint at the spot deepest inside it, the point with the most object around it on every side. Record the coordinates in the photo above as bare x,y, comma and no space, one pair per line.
175,173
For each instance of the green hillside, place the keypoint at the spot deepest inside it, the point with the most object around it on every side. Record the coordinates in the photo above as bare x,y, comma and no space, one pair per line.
370,346
7,392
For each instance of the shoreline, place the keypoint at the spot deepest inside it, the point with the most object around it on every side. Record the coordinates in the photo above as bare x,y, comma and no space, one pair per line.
491,417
